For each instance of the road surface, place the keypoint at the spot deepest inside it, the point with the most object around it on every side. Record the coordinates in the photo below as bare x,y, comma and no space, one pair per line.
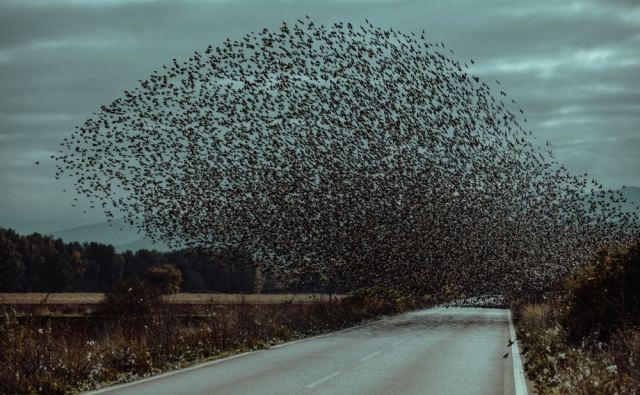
434,351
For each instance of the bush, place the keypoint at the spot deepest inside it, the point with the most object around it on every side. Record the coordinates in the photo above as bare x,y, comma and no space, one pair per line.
604,295
61,355
588,367
166,278
26,365
131,298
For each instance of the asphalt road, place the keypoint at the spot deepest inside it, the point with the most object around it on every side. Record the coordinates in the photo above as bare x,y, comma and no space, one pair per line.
435,351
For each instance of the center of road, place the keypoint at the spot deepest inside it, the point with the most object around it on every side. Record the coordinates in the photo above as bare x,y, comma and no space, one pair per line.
444,351
322,380
368,357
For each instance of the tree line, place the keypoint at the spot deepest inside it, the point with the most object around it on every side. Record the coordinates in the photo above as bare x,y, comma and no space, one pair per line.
40,263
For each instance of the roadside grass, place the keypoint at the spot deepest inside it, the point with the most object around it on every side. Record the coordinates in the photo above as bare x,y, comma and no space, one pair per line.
588,367
57,355
585,338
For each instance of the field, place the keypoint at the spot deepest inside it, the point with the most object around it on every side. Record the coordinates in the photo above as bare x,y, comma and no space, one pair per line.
94,298
61,343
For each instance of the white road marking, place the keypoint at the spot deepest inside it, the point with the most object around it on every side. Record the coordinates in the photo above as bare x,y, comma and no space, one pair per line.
518,371
322,380
368,357
217,361
399,342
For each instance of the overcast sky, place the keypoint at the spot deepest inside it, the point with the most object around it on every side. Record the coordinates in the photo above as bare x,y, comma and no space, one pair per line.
574,67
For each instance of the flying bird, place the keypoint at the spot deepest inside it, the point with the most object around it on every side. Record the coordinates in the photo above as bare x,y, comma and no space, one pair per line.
342,155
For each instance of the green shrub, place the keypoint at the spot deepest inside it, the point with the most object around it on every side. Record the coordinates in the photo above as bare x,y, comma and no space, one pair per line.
604,295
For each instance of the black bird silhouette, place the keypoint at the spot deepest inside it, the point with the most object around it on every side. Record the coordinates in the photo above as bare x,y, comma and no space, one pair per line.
505,355
356,156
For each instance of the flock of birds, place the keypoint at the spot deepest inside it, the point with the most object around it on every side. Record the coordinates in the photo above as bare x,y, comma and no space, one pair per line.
356,155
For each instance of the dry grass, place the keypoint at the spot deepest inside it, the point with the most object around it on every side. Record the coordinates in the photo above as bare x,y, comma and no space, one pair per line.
91,298
51,298
591,367
536,314
38,354
207,298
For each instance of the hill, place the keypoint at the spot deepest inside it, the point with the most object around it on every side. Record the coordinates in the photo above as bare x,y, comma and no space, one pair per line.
117,233
123,237
144,243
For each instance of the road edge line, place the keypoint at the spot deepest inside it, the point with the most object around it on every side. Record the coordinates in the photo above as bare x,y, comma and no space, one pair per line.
166,374
220,360
520,382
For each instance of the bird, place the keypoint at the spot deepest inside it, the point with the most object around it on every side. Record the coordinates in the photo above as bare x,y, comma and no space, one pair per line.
510,343
37,162
505,355
344,153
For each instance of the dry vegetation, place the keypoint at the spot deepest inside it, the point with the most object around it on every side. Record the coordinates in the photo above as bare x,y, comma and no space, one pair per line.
587,339
43,298
205,298
92,298
128,340
588,367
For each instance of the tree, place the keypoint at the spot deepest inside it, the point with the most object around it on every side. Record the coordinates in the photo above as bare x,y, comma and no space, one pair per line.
604,295
12,269
166,278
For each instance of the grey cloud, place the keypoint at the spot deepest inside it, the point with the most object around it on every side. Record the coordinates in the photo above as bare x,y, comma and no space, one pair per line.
60,60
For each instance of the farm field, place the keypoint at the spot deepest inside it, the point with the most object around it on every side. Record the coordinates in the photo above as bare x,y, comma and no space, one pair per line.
82,344
92,298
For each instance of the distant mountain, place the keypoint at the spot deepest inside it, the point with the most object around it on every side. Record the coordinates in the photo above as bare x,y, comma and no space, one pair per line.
100,232
117,233
144,243
130,239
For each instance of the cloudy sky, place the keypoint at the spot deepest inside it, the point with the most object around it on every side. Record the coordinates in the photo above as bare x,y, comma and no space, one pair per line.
574,66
